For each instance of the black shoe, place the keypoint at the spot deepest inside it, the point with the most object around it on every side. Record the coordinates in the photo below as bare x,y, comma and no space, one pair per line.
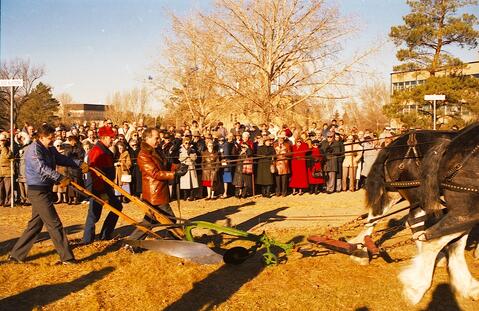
14,260
67,262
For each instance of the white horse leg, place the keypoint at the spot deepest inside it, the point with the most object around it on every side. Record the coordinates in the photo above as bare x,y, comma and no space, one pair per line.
461,279
369,227
417,277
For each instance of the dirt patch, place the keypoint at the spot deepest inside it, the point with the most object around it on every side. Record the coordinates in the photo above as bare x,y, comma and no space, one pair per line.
111,278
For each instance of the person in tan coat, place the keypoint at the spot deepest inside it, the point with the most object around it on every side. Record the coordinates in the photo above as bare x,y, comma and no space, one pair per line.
156,171
352,156
122,168
5,170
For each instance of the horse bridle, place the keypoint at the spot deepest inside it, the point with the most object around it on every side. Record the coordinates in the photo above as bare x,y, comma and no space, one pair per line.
411,153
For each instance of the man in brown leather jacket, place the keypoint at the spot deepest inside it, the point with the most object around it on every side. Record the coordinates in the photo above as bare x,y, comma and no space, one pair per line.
156,171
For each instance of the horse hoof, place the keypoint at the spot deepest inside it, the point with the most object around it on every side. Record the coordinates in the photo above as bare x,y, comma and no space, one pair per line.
412,295
360,257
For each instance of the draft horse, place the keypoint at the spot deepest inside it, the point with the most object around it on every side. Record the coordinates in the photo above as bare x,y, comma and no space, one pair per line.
452,170
395,176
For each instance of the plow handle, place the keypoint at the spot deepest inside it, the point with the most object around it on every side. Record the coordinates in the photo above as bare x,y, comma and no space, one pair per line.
177,232
125,217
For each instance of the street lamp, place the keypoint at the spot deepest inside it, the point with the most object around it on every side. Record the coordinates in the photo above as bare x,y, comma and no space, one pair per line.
434,98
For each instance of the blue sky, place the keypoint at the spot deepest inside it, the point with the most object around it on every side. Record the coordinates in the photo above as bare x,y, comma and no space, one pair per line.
92,48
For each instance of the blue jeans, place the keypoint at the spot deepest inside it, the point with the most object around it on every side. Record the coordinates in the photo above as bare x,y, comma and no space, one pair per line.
94,214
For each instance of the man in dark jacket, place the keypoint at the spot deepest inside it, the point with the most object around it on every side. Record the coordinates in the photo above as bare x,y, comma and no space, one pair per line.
101,158
156,172
330,149
40,162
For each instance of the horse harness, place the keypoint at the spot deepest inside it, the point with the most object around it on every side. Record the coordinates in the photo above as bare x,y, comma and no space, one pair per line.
448,182
411,153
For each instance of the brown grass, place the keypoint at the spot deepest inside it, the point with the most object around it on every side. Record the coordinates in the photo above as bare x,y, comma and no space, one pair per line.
111,278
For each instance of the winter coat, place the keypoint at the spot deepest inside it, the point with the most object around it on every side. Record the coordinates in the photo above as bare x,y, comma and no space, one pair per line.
155,175
353,154
265,155
101,158
123,167
282,162
5,155
188,157
315,165
77,153
40,164
330,152
135,172
244,158
299,171
209,166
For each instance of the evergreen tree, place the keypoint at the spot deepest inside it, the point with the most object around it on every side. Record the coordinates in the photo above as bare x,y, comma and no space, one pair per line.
459,90
431,26
39,107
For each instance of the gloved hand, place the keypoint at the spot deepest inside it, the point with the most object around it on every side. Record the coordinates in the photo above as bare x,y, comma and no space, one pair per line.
84,167
64,182
181,170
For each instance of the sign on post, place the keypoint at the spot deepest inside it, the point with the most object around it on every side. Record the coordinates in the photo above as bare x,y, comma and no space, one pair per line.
11,82
434,97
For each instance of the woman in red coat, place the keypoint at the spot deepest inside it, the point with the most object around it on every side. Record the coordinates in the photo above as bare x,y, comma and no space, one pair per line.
299,172
315,168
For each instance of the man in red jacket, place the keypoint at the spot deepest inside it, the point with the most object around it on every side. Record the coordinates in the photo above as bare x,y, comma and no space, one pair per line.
156,171
101,158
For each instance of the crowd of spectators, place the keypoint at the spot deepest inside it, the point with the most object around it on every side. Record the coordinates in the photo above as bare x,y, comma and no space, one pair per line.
242,161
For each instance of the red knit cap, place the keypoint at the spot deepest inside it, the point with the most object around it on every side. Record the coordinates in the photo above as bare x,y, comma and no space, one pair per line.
106,131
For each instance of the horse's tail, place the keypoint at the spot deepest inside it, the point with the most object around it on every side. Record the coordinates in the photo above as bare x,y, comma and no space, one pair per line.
376,193
430,190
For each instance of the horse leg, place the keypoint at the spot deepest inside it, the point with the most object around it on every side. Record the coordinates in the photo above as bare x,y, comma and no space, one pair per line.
462,280
417,277
361,256
394,198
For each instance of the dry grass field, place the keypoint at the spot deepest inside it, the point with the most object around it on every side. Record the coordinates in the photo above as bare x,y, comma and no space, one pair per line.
111,278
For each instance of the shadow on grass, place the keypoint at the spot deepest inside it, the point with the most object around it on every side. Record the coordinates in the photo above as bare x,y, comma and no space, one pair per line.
46,294
443,299
218,286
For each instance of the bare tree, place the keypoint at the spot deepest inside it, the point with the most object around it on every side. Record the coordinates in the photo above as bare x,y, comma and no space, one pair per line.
17,69
373,98
65,101
129,105
265,57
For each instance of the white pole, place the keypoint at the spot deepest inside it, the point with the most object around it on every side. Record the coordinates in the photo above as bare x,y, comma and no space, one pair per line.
434,116
11,149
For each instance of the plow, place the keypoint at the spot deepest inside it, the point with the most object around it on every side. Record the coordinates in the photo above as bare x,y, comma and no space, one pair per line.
183,244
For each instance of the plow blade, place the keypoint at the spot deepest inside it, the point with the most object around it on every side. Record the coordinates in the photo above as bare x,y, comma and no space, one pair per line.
196,252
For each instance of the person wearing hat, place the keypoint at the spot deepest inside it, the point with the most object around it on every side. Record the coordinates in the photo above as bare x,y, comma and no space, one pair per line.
330,149
244,172
265,153
101,158
188,156
282,148
22,140
209,168
299,171
40,161
5,170
315,168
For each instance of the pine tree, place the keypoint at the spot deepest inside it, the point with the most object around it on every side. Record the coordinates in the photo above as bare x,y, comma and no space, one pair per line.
431,26
39,107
